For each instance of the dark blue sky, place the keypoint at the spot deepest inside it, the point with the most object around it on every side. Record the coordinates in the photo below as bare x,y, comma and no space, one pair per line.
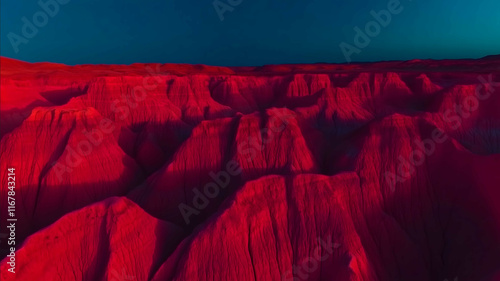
254,32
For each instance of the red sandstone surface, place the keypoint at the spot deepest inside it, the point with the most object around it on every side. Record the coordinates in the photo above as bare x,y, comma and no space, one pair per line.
373,171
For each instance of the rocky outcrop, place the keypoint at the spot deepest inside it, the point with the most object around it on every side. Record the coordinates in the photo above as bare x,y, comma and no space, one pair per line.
382,171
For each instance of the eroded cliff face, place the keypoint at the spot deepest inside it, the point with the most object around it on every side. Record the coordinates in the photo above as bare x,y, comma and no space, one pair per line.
385,171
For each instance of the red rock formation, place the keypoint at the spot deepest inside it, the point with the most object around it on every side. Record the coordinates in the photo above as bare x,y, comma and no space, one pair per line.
381,171
112,240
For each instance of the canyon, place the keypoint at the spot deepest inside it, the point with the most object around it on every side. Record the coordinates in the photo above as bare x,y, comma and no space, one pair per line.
363,171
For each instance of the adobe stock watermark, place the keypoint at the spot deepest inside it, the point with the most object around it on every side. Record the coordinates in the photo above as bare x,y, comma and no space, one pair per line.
220,180
362,38
49,9
121,107
221,7
455,117
311,264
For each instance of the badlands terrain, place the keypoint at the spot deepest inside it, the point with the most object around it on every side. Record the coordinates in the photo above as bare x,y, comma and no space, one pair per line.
382,171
